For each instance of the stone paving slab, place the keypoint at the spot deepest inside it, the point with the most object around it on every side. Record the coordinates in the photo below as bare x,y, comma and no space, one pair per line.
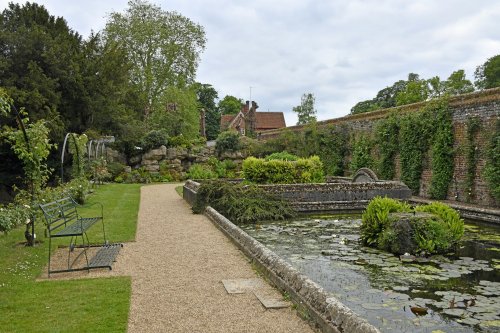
271,301
241,286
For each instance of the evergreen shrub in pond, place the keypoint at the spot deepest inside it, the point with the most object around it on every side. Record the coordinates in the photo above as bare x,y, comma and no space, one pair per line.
394,226
278,171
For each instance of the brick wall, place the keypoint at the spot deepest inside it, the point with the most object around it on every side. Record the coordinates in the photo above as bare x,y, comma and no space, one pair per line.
485,105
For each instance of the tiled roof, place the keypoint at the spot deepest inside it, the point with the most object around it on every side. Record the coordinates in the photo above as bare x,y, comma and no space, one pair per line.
264,120
269,120
225,119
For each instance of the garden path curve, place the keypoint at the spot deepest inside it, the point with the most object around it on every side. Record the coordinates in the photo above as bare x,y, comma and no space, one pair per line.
177,264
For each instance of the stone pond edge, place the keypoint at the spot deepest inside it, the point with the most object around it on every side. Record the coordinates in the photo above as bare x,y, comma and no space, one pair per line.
328,313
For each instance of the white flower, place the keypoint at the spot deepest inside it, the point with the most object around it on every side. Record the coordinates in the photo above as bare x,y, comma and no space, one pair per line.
27,206
28,221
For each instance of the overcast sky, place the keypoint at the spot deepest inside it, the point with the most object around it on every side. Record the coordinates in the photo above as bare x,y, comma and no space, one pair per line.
342,51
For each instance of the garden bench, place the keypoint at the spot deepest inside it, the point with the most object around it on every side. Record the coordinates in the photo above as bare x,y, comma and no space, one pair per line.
63,220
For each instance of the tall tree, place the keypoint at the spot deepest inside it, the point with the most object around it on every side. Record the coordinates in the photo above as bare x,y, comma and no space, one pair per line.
457,84
488,74
306,111
180,115
39,65
164,48
207,96
415,90
110,98
230,105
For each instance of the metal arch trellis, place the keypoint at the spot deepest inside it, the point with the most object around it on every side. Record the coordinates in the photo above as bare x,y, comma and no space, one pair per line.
64,150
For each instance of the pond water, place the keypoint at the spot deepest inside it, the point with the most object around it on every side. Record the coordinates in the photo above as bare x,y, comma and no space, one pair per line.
459,292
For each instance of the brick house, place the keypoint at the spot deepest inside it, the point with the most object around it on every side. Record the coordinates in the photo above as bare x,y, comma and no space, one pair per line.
249,120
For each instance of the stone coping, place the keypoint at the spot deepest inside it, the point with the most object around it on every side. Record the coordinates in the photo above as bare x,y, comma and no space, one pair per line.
326,311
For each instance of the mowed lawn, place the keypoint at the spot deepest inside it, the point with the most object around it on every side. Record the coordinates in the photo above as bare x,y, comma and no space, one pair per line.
85,305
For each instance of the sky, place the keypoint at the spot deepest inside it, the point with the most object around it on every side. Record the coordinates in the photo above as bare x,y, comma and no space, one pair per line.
342,51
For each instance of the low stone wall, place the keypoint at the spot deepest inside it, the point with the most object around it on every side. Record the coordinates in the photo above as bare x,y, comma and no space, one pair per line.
474,213
336,196
189,191
326,311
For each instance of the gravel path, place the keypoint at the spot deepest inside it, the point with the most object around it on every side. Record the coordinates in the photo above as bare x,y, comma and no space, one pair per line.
177,264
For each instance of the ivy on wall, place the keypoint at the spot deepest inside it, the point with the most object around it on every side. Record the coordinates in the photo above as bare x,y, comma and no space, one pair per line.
361,153
442,150
492,169
333,149
413,143
386,137
473,126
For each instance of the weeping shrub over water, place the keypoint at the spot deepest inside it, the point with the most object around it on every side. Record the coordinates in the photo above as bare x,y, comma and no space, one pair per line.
241,204
429,229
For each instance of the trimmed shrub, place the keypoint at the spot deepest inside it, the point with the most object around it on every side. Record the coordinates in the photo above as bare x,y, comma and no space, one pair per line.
304,170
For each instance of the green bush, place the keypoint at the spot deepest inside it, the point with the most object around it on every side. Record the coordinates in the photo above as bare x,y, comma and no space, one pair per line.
228,141
284,156
200,171
375,218
454,224
154,139
241,204
13,216
436,233
115,169
140,176
303,170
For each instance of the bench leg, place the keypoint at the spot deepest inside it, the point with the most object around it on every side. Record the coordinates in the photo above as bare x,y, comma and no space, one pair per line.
50,248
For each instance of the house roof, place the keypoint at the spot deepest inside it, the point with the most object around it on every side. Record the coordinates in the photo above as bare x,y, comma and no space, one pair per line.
269,120
225,120
263,120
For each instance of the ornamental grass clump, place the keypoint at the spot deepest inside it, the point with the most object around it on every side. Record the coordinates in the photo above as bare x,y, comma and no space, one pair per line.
393,226
240,203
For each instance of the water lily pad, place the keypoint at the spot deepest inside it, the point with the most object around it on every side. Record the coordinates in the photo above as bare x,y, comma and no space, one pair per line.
372,306
454,312
469,321
400,288
490,323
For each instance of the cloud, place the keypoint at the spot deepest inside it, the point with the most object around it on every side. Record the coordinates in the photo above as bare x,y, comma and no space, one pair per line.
342,51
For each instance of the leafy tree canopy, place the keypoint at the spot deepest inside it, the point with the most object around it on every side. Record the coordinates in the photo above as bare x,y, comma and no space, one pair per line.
488,74
230,105
207,96
164,48
306,111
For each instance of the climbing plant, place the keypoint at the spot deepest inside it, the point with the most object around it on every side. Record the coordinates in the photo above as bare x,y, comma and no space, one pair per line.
77,145
361,153
442,149
492,169
332,148
473,126
386,137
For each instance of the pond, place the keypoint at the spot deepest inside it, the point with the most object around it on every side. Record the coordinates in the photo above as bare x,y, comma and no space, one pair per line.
459,292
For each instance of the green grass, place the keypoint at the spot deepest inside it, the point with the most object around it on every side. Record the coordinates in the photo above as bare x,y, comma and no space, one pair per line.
179,190
87,305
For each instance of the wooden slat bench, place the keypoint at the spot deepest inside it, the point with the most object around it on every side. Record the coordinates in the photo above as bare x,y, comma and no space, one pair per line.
63,220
